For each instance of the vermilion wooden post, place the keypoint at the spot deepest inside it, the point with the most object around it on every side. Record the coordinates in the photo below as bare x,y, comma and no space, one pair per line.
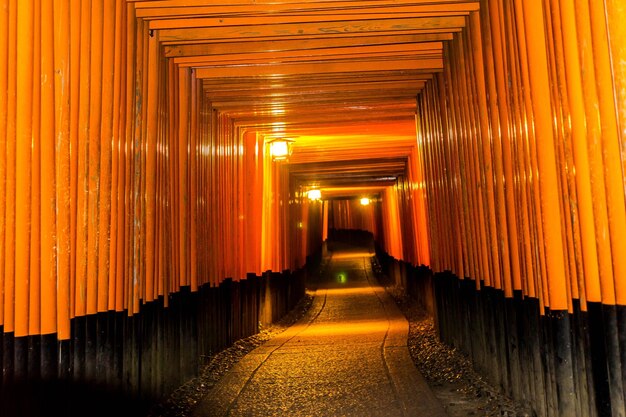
474,157
511,241
445,159
442,162
547,159
115,285
471,144
4,104
93,148
172,182
183,175
483,154
152,111
420,213
615,9
443,195
105,279
593,140
34,296
81,160
136,154
74,81
580,151
614,177
48,185
23,163
535,200
458,167
559,105
518,128
62,93
495,119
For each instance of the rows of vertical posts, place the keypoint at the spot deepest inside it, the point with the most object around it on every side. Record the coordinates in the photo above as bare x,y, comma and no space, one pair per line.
120,185
351,214
307,219
392,240
403,224
411,206
396,218
522,142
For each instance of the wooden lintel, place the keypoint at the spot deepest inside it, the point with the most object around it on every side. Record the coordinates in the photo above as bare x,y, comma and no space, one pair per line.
294,90
299,19
324,28
426,65
413,49
280,45
336,7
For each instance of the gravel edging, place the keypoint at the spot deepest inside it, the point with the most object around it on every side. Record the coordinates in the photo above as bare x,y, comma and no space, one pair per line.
450,375
185,398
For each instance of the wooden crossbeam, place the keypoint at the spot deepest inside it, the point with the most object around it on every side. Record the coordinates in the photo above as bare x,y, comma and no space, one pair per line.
227,46
148,12
426,65
425,24
417,50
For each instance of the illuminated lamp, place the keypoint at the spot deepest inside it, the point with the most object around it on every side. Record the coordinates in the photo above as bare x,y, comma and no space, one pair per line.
365,201
314,195
280,149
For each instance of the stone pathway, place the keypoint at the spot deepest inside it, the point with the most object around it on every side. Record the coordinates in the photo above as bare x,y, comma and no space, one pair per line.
347,356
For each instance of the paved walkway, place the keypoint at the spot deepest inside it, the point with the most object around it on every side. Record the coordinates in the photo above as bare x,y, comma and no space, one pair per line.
346,357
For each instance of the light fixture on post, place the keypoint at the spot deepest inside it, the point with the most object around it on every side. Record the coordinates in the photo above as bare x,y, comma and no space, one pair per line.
314,194
280,148
365,201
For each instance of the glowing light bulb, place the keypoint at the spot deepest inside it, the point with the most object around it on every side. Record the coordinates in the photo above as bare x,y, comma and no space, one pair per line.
279,149
314,195
365,201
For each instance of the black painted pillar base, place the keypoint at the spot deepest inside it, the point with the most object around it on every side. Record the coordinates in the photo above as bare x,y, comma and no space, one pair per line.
563,362
621,332
115,364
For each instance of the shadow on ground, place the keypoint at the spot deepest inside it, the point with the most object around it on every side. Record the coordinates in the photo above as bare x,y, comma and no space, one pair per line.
62,398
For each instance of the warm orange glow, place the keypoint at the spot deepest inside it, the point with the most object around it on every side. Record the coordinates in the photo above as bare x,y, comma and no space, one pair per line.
353,255
137,164
391,223
342,292
349,328
350,214
365,201
279,149
314,195
358,141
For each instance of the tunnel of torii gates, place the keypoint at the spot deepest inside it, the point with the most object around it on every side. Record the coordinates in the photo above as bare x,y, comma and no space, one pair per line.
144,222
